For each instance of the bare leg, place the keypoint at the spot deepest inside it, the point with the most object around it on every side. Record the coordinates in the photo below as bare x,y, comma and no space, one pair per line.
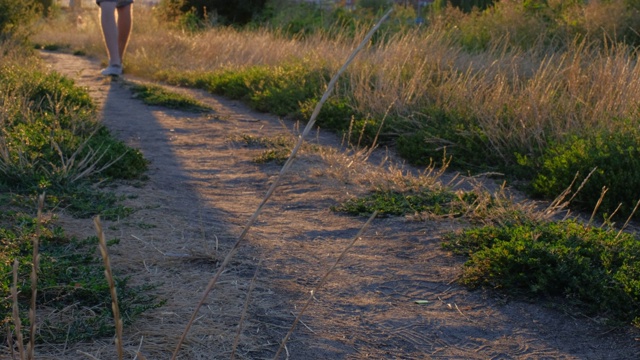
125,22
110,31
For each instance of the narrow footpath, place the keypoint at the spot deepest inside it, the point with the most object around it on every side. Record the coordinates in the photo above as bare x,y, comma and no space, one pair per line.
202,189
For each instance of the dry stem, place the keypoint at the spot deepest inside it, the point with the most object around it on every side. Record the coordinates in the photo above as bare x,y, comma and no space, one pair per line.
16,312
112,286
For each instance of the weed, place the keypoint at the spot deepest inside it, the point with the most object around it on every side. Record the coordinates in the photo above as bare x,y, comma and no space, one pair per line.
278,148
157,95
50,138
393,203
52,47
278,156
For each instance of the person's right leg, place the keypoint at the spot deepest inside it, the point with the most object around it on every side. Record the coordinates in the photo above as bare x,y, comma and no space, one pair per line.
110,31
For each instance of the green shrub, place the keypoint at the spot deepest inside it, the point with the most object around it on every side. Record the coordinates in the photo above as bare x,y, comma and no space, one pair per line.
15,16
277,148
298,19
594,269
336,113
468,5
616,157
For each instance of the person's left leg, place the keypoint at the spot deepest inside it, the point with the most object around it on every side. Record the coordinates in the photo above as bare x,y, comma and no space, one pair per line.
125,23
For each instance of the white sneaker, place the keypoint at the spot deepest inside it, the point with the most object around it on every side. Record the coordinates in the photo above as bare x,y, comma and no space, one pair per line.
112,70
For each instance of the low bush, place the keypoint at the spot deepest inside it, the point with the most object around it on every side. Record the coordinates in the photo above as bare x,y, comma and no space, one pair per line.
228,12
277,148
615,156
595,269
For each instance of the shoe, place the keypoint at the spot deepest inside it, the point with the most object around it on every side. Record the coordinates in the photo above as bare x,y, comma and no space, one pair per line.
112,70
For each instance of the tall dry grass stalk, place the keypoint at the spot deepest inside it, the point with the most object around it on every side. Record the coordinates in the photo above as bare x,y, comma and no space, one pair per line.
112,286
34,280
276,182
16,312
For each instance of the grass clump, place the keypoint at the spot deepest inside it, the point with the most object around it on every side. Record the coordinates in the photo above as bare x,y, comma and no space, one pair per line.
51,141
157,95
276,89
596,270
396,203
71,282
278,148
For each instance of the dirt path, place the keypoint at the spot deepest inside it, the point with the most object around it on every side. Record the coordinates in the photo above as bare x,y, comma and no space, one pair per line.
202,189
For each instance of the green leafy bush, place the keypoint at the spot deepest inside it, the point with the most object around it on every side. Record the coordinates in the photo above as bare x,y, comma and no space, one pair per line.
14,16
468,5
614,155
594,269
278,148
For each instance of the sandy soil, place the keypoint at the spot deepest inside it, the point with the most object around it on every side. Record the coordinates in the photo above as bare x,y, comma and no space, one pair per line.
202,189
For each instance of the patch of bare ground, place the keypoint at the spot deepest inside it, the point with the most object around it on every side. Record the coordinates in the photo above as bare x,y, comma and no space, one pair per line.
202,189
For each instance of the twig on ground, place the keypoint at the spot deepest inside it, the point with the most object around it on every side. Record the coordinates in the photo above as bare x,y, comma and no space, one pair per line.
87,355
302,322
244,310
322,281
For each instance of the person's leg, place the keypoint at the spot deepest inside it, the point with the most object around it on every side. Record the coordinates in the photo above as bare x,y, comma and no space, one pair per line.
110,31
125,22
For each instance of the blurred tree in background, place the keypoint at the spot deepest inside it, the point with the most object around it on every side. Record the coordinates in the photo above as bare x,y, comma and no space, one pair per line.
225,12
15,15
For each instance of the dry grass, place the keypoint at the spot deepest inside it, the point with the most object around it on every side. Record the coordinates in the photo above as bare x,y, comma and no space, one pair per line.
522,99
